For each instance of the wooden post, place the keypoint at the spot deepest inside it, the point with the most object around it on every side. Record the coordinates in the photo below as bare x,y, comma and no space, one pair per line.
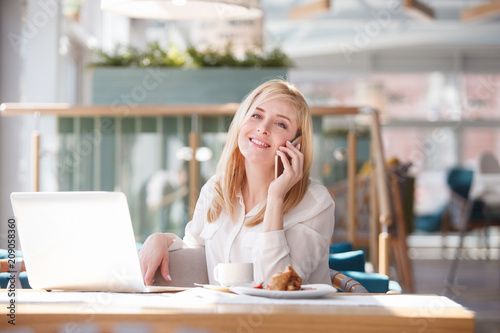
194,177
398,243
374,223
351,186
382,194
383,256
193,174
35,161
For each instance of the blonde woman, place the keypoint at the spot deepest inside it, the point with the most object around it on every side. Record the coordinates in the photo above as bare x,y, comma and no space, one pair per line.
243,213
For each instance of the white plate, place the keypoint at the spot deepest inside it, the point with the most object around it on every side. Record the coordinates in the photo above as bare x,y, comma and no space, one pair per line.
307,291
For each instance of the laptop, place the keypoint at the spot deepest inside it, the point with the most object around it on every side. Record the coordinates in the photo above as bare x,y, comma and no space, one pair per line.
80,241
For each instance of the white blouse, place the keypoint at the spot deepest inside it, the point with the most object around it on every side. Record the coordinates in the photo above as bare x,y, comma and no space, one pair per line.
304,242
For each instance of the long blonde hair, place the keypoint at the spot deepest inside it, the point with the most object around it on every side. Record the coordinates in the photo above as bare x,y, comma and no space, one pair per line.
230,174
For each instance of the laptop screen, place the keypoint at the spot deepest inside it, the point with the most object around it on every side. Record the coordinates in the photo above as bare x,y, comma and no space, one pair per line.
77,240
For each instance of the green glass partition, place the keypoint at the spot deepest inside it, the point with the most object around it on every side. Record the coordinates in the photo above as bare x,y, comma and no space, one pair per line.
147,158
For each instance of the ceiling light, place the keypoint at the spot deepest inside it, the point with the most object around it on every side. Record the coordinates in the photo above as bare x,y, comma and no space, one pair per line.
185,9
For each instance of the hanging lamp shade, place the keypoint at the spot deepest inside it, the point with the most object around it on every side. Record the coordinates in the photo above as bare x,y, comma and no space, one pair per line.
185,9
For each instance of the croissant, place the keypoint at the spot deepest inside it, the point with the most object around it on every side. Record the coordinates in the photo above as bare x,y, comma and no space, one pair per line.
288,280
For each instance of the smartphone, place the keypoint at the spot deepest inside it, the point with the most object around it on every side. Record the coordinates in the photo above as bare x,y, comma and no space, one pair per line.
278,165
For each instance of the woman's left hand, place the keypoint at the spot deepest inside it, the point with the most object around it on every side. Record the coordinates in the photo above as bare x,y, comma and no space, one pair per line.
293,170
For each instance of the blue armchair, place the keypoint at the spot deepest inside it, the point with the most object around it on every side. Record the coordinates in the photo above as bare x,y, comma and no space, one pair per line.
5,276
459,181
352,264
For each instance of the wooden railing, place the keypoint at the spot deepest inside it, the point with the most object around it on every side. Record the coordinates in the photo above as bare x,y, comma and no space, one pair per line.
380,200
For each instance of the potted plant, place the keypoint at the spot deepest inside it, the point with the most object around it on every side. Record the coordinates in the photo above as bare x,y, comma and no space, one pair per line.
160,75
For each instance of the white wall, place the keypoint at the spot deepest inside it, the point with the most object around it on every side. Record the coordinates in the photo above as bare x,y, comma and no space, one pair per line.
10,81
29,71
36,67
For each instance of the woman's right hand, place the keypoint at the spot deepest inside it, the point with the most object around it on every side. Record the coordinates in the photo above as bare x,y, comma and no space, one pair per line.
154,254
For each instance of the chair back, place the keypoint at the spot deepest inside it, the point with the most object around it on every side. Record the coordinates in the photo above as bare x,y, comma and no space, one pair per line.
488,164
460,180
187,266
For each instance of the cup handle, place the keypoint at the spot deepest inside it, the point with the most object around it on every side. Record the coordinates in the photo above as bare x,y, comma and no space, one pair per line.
216,273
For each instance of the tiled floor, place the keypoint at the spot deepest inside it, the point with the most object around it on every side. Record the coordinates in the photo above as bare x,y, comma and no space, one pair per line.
477,286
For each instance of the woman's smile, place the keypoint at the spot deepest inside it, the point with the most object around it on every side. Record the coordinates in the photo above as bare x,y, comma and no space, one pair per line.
260,143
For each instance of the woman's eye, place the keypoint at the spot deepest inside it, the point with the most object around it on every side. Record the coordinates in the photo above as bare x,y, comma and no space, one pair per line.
256,116
282,125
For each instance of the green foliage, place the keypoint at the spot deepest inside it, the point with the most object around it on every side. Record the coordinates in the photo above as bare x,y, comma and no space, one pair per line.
276,58
121,56
212,58
156,56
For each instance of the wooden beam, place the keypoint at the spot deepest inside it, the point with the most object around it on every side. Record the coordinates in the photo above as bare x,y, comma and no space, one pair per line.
334,110
66,110
310,9
481,12
418,10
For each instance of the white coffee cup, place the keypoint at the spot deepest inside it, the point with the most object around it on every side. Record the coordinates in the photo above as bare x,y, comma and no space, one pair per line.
230,274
